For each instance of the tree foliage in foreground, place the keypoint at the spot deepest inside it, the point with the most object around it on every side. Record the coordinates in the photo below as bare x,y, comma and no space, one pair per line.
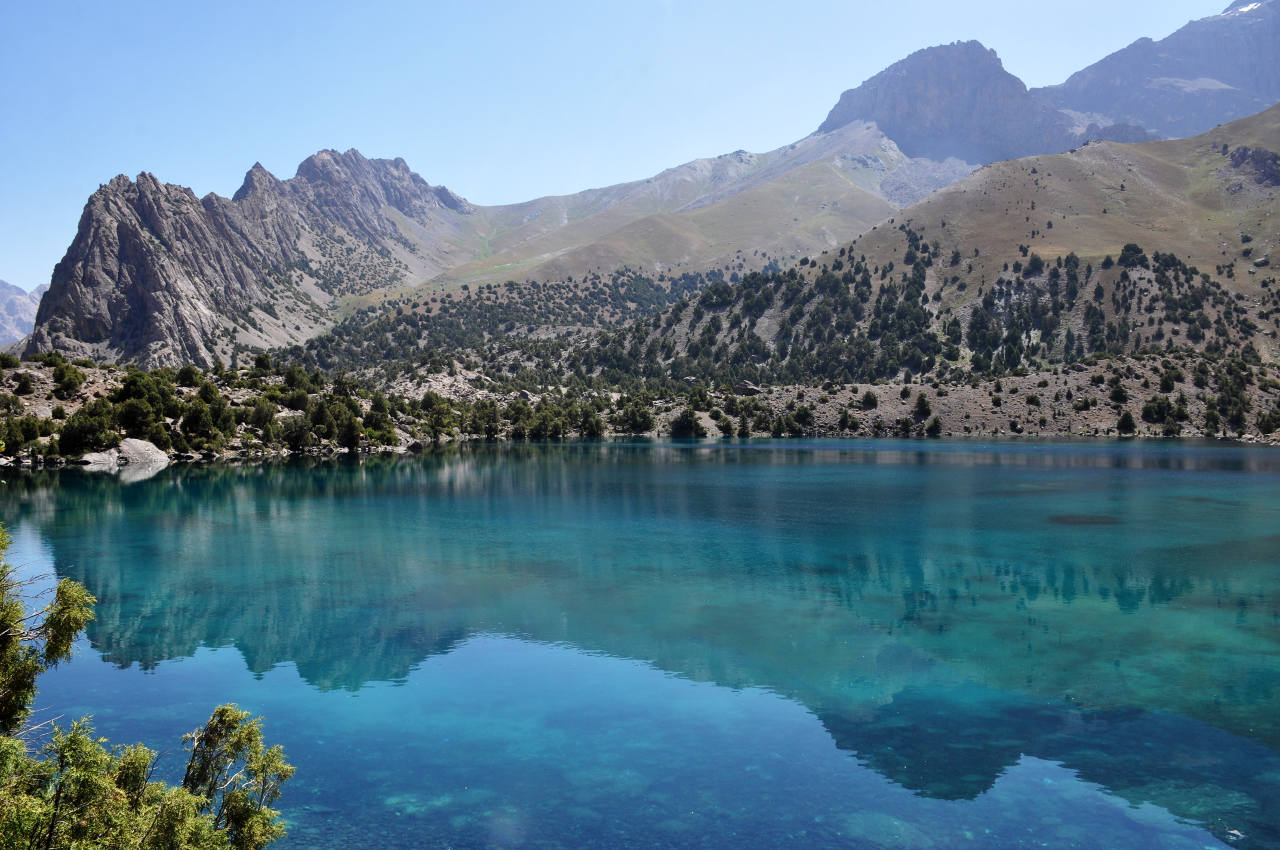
78,791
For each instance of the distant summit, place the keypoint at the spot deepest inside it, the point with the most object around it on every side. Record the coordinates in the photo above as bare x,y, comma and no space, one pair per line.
1211,71
17,311
957,100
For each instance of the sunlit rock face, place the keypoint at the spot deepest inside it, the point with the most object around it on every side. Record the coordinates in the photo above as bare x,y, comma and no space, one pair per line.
159,277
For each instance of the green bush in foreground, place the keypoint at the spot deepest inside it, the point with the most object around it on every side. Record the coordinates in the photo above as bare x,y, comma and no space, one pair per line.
78,791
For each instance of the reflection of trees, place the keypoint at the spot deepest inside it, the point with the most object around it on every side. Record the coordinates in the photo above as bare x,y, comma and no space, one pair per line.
183,561
727,566
389,557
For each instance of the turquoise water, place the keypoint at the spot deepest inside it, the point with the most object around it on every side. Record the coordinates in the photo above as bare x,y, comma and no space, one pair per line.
846,644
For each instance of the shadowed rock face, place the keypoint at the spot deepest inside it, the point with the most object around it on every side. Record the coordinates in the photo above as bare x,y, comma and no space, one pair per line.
957,100
1211,71
1264,164
160,277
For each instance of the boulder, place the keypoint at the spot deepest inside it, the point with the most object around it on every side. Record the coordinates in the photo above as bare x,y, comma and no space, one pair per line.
133,460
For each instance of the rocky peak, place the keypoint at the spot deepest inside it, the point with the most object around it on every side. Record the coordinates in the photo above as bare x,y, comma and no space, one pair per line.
1245,7
257,181
1211,71
356,190
954,100
159,277
147,182
329,166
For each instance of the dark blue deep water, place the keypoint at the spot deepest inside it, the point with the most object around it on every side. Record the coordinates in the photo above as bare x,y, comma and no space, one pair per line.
732,645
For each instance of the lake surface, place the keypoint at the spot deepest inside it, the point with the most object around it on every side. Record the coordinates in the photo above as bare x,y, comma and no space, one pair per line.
753,644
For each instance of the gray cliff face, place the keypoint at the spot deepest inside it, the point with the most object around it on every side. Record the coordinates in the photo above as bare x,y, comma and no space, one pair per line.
355,191
1209,72
150,272
159,277
957,100
17,311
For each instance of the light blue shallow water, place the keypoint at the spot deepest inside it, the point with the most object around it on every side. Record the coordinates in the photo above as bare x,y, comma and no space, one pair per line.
846,644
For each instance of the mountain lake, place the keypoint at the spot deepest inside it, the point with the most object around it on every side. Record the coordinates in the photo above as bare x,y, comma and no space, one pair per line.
706,644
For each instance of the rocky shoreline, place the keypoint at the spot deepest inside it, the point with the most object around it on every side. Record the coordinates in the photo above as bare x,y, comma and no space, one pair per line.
262,412
132,465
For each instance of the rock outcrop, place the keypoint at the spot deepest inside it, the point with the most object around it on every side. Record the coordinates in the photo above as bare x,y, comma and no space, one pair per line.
1262,163
160,277
133,460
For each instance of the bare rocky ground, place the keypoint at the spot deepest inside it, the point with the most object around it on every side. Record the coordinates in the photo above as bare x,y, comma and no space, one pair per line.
1062,403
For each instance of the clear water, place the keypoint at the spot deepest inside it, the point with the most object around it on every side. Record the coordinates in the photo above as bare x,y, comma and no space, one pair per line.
852,644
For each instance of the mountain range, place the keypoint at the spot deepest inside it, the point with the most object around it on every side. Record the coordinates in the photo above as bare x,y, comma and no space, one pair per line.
17,311
1208,72
158,276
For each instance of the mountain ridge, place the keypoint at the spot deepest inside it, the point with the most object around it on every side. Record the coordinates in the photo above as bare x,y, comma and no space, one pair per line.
1210,71
159,277
957,100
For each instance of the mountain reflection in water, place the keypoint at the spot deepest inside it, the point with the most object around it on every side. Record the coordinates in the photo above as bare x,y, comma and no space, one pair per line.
946,611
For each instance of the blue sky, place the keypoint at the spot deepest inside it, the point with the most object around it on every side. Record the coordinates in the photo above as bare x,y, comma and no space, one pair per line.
501,102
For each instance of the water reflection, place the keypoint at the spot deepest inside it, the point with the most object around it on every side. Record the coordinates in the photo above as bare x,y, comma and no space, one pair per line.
945,612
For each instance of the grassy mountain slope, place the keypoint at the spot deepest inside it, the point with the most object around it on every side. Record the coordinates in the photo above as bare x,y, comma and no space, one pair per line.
807,210
1111,251
1115,287
802,197
1187,194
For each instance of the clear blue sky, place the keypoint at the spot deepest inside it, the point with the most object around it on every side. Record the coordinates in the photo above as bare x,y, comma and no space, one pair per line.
501,102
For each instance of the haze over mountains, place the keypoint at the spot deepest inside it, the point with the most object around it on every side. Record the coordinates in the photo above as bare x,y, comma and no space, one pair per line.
1210,71
160,277
17,311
